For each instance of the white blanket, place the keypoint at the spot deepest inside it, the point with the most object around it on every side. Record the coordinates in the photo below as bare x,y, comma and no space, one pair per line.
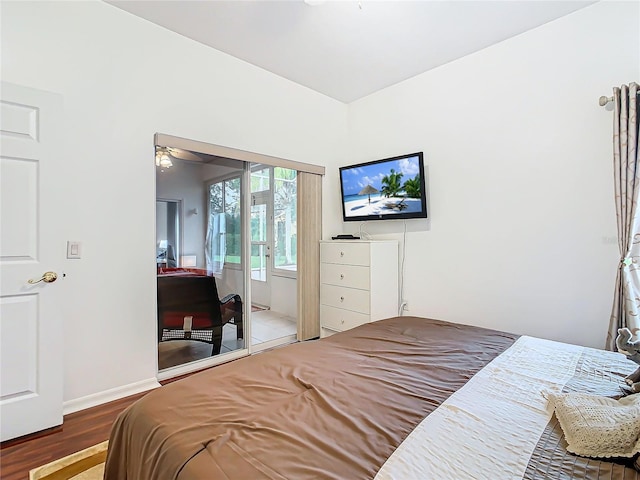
489,428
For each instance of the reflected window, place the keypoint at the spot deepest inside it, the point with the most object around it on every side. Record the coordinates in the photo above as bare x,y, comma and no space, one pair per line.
285,219
233,253
260,179
224,242
216,229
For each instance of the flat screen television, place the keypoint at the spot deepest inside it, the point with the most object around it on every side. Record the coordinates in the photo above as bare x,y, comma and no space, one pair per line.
388,189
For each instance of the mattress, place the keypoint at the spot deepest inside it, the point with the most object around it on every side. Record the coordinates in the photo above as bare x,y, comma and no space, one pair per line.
502,425
344,407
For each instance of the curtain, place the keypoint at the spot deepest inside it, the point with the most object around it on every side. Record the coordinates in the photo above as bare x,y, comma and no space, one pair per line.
309,236
626,303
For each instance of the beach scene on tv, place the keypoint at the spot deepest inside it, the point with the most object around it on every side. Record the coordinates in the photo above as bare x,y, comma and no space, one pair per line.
385,188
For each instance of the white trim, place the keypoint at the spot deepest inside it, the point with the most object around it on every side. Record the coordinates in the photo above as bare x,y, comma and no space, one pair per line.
245,216
105,396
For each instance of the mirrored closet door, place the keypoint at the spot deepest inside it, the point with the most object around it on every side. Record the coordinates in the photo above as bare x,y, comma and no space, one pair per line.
200,281
226,257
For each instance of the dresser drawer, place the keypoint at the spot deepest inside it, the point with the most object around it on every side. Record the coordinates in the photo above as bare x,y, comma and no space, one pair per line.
343,297
338,319
353,276
345,253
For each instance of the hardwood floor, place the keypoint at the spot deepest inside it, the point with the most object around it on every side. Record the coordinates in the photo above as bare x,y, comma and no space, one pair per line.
80,430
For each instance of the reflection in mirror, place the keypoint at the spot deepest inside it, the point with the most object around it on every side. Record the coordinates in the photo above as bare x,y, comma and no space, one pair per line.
198,254
273,259
167,232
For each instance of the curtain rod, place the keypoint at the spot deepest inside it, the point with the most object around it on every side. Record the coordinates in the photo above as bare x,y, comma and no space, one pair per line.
603,100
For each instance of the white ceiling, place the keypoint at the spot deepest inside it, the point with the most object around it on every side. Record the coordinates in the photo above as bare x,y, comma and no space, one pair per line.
348,49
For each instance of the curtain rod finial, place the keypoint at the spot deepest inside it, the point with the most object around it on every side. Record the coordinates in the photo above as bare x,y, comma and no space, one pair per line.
604,100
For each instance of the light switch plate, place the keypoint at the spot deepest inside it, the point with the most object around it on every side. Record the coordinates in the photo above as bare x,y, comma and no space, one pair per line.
74,249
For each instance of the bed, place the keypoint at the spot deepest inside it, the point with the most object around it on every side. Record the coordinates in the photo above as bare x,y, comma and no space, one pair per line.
401,398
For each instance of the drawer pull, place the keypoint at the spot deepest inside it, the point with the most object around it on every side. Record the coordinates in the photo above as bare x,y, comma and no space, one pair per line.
342,254
342,276
342,299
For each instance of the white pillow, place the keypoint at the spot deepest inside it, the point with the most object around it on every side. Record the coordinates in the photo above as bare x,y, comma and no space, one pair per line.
596,426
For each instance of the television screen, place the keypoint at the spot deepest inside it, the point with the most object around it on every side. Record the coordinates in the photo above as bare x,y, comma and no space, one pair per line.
391,188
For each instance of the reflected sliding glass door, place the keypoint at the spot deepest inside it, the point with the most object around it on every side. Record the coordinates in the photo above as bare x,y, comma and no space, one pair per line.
273,255
260,250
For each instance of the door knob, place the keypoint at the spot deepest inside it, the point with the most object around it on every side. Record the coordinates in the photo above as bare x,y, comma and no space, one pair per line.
47,277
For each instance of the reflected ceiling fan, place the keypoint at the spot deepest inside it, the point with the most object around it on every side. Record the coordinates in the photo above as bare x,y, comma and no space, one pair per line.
163,157
166,155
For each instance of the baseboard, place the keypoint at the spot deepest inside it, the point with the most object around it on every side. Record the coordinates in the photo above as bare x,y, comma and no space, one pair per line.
108,395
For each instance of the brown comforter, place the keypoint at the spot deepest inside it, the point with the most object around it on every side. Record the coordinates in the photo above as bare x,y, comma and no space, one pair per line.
329,409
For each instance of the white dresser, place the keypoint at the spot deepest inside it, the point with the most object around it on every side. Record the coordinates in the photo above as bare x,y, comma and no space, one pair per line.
358,283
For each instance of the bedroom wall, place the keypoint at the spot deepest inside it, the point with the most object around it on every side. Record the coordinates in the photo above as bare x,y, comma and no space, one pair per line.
522,234
124,79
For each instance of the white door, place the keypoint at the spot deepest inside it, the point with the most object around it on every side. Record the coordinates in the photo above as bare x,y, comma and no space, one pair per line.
261,240
31,363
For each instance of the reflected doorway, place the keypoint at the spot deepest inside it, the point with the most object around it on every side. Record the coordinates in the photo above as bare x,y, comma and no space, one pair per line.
273,255
261,234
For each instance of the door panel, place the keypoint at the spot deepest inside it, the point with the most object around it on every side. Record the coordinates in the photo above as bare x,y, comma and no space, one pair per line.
18,331
19,187
261,228
31,369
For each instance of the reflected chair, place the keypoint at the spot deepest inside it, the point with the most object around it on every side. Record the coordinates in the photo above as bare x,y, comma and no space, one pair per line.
189,309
